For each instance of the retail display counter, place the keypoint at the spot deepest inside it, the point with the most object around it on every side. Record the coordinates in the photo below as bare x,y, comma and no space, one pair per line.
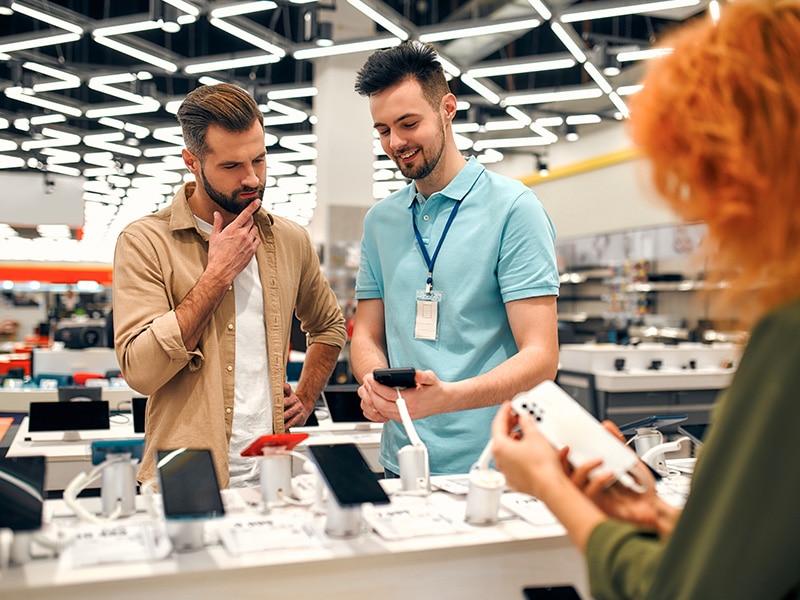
625,383
495,561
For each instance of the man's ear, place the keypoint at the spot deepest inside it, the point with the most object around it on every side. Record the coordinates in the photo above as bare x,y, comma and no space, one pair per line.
449,107
191,161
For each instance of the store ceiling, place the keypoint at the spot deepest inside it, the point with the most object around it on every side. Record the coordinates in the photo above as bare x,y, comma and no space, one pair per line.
91,86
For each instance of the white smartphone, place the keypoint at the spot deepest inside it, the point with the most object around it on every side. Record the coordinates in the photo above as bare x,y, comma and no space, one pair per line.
564,422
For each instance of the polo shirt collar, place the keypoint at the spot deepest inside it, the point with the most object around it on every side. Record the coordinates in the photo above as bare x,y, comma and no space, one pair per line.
461,184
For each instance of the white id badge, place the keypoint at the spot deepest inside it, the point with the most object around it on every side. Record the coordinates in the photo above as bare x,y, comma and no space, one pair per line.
426,324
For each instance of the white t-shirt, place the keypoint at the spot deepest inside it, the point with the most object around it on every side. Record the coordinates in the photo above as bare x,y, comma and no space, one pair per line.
252,407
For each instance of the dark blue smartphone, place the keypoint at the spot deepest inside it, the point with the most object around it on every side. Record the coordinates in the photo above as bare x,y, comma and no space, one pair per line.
656,422
401,377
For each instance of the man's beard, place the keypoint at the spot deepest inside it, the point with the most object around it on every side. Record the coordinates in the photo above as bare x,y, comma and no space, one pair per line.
428,164
230,203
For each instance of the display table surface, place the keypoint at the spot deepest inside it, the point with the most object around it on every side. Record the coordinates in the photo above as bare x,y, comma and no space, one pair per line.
479,562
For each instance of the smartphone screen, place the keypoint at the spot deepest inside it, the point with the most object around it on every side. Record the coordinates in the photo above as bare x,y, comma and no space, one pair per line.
695,432
656,422
347,474
557,592
21,492
188,482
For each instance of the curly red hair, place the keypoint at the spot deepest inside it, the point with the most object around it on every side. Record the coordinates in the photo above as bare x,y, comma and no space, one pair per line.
719,119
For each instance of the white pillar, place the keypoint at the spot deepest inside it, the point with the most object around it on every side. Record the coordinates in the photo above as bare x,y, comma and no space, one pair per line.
344,137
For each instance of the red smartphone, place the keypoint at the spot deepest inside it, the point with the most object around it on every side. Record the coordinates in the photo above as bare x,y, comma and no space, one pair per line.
274,440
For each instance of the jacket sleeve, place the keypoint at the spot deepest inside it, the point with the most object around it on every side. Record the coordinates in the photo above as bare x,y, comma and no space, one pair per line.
148,341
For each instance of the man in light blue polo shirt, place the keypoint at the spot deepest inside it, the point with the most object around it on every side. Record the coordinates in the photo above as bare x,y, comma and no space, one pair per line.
458,276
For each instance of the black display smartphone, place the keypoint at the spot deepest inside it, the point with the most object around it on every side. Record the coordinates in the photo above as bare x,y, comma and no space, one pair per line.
188,482
402,377
21,492
347,474
556,592
695,432
655,421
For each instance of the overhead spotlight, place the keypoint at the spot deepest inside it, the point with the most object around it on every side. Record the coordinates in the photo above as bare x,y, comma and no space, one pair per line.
572,134
324,33
541,162
611,67
5,7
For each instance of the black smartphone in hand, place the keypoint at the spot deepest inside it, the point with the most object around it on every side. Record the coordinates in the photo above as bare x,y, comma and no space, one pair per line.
396,378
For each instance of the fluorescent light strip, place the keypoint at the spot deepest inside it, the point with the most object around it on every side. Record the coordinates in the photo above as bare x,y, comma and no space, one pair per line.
58,168
620,104
52,138
595,74
528,67
643,54
449,67
628,90
52,40
583,119
66,80
510,143
494,28
303,92
48,119
541,8
248,37
381,20
17,93
567,40
146,105
233,63
168,66
544,97
337,49
242,9
466,127
46,18
481,89
550,121
516,113
186,7
625,9
126,28
504,125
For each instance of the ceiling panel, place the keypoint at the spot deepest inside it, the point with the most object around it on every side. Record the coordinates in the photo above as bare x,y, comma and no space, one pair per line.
90,87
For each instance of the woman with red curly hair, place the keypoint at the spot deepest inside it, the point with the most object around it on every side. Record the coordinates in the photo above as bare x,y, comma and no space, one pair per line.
719,119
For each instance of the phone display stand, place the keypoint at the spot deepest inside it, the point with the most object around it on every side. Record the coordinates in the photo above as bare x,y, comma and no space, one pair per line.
486,487
342,521
118,485
276,475
186,535
15,547
415,472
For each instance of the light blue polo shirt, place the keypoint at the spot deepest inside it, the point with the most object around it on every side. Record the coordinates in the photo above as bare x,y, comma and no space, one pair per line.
500,247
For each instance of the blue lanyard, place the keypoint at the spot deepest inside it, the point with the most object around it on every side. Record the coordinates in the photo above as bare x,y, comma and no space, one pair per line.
428,259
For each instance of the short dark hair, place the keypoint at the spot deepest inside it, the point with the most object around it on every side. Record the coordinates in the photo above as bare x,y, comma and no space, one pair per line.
223,104
409,60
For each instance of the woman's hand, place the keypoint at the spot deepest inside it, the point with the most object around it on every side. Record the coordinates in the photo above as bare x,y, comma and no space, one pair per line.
645,509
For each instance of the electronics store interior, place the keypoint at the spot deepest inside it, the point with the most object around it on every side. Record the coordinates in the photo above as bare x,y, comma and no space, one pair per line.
90,143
